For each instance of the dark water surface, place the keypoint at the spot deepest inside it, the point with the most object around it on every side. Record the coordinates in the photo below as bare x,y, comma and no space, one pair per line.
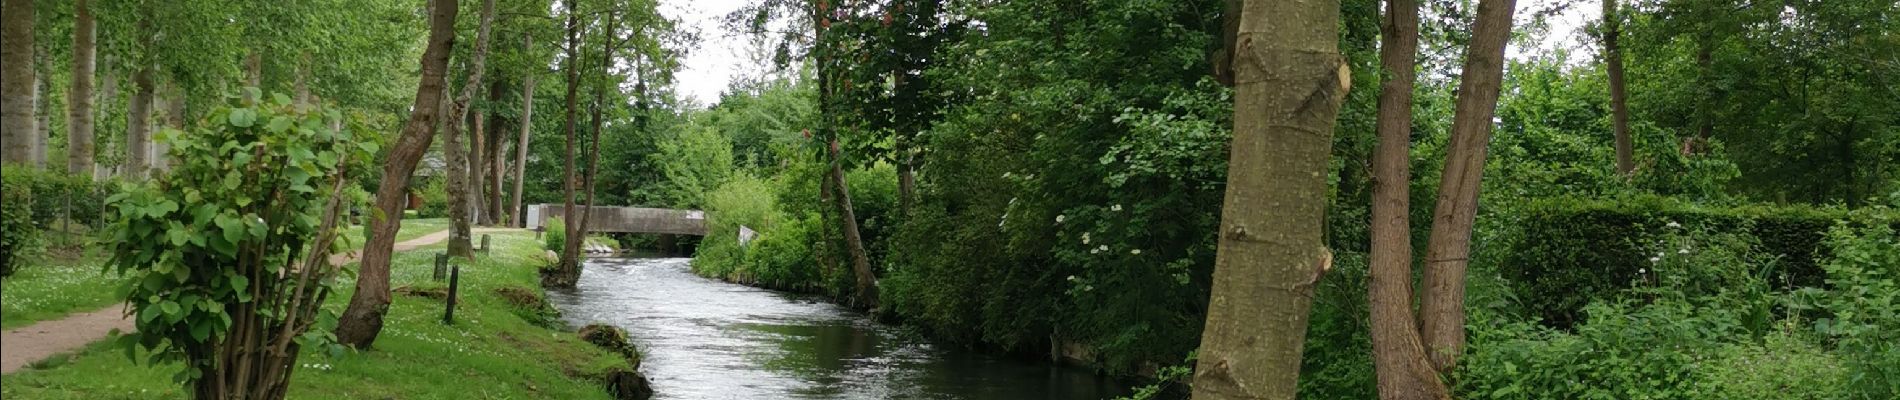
705,339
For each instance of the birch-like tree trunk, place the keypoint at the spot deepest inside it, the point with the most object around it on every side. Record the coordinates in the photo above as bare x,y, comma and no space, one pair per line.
79,142
363,320
1289,81
17,79
568,271
521,143
138,127
459,195
1442,323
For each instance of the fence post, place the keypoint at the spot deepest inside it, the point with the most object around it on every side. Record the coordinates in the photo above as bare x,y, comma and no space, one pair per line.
448,315
441,265
484,243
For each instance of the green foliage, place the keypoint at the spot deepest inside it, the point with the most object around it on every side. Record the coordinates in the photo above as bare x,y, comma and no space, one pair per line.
19,235
1862,303
1567,252
207,246
554,234
694,163
780,256
435,199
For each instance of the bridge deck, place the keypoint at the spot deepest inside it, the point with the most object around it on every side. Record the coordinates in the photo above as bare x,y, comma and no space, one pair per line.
626,219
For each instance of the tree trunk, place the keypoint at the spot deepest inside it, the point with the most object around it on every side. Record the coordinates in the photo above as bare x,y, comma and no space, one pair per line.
108,96
1705,104
1404,373
1619,95
495,155
363,320
174,103
79,115
17,79
1290,81
1442,307
853,241
138,128
477,167
460,197
521,143
42,114
609,39
568,272
254,69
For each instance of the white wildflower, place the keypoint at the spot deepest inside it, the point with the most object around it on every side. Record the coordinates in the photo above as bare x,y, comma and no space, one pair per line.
1655,259
1642,270
1135,252
1085,238
1060,217
1102,248
1673,224
1005,175
1071,278
1684,250
1117,207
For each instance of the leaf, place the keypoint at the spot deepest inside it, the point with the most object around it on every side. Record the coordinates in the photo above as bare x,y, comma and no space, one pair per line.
148,313
243,117
171,309
161,209
280,98
239,283
278,124
201,330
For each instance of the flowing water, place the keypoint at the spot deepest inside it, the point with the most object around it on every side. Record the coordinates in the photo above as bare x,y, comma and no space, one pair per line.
705,339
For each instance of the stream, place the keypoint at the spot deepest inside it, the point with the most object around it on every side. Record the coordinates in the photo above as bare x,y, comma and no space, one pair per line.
706,339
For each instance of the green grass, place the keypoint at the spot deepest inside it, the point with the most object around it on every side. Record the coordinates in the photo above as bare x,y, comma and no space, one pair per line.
53,287
411,228
491,351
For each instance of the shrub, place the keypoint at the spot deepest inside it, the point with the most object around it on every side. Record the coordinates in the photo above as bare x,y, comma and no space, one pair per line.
555,234
18,234
435,199
255,194
1570,251
1862,303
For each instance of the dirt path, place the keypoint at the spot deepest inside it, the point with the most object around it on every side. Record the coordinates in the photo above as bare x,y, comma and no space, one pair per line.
32,343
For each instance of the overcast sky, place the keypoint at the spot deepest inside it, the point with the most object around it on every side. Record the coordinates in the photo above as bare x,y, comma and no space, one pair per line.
711,66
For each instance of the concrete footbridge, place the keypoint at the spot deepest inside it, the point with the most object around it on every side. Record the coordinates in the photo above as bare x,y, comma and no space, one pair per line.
625,219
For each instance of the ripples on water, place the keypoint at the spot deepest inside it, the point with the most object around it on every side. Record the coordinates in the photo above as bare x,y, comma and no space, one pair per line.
705,339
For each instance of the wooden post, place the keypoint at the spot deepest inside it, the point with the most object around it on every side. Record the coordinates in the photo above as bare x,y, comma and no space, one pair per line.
441,265
455,276
484,243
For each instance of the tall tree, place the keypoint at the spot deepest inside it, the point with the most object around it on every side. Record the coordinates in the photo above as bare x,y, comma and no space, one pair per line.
527,127
1619,95
460,196
363,319
17,80
569,269
1404,372
1290,80
138,128
79,160
1442,309
825,49
478,167
609,40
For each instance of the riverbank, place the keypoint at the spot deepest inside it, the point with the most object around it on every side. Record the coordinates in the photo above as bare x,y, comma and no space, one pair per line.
503,345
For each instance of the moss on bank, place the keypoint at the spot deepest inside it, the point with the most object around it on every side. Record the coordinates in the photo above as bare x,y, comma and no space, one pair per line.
490,352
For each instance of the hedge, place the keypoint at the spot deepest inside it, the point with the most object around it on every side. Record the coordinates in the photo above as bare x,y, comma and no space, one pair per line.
18,233
1569,252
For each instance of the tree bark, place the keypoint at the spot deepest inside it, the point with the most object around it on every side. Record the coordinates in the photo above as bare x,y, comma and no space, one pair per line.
609,39
853,240
1404,372
1619,95
495,154
17,79
1442,322
42,113
477,167
138,128
521,143
568,272
460,197
1290,80
363,320
79,151
108,96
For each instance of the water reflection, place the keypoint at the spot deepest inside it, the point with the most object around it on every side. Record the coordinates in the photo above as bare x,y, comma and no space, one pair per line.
705,339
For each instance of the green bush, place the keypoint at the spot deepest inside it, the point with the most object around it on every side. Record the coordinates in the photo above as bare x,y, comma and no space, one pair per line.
555,234
1862,303
1568,252
435,199
781,256
18,233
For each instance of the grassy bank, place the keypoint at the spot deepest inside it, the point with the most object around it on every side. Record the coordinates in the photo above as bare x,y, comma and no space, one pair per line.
496,349
58,285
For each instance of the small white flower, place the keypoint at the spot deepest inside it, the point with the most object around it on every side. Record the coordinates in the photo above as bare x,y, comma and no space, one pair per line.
1060,217
1088,288
1030,177
1102,248
1655,259
1085,238
1005,175
1071,278
1673,224
1095,251
1117,207
1684,250
1135,252
1642,270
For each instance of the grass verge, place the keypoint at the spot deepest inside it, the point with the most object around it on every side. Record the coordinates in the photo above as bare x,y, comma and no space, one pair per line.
494,350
